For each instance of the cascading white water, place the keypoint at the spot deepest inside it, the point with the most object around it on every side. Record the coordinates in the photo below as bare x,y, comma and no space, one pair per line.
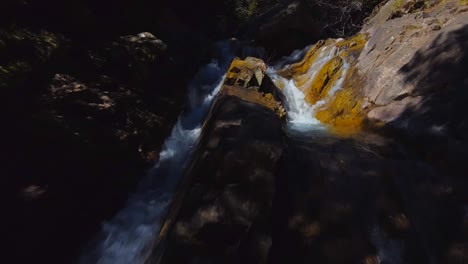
301,115
298,110
127,237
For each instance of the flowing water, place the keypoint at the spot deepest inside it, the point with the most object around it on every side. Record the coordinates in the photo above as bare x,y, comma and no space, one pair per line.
350,175
301,115
127,237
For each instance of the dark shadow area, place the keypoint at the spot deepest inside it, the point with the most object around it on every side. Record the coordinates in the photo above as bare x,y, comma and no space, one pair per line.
434,132
225,214
77,139
337,201
282,26
85,111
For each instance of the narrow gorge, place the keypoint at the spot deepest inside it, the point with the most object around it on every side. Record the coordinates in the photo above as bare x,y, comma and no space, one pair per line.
352,149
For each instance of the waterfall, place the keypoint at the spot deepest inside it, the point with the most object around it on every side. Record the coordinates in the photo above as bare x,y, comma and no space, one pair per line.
301,114
298,110
126,238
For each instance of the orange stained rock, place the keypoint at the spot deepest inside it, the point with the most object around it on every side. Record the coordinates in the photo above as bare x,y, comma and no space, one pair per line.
253,96
344,112
301,80
324,80
346,47
356,42
241,72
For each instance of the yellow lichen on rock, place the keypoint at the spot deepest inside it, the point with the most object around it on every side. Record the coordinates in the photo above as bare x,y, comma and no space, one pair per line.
353,45
344,112
267,100
243,80
324,80
241,72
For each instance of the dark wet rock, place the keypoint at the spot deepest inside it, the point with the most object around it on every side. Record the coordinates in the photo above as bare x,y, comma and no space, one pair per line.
132,58
26,54
350,191
222,210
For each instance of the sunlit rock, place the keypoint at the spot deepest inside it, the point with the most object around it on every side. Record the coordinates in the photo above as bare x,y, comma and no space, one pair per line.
327,77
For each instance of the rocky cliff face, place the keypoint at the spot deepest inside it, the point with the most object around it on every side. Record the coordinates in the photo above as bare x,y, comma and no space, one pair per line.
414,62
406,61
410,79
406,78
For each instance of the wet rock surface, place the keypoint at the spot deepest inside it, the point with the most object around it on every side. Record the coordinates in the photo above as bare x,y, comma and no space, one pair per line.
222,210
365,197
225,212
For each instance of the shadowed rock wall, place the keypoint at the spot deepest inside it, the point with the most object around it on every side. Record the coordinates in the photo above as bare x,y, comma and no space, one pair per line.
223,208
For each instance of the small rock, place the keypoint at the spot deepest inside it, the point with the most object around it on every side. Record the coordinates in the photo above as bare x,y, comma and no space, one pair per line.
436,27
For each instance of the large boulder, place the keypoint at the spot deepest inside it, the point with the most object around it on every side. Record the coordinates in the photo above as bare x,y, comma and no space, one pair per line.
222,209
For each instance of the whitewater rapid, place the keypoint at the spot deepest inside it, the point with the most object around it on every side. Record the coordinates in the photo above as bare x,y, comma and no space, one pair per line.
127,237
301,114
